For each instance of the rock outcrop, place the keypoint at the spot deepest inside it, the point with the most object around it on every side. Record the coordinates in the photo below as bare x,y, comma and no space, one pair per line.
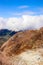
24,48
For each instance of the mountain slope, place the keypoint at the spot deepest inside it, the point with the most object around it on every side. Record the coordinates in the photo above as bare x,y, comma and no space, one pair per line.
23,48
25,40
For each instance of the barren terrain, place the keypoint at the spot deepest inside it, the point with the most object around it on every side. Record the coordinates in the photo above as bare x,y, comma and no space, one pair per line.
24,48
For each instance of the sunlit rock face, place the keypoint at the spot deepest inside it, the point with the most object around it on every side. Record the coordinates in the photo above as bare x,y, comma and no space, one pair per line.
24,48
30,57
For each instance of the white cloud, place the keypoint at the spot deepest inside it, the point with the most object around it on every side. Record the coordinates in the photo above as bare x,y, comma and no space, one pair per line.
22,23
23,13
23,6
2,22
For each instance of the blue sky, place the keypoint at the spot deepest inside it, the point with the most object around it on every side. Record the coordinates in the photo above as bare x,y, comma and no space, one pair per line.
21,14
12,8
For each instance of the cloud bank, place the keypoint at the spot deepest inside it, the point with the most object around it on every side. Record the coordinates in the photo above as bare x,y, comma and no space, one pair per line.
22,23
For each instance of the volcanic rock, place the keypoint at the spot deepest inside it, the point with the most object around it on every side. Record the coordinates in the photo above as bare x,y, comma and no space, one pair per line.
24,48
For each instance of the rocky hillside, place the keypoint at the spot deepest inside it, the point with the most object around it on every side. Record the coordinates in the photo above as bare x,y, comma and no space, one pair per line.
24,48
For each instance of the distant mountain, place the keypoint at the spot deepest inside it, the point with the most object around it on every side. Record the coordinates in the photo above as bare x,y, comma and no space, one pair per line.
5,34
